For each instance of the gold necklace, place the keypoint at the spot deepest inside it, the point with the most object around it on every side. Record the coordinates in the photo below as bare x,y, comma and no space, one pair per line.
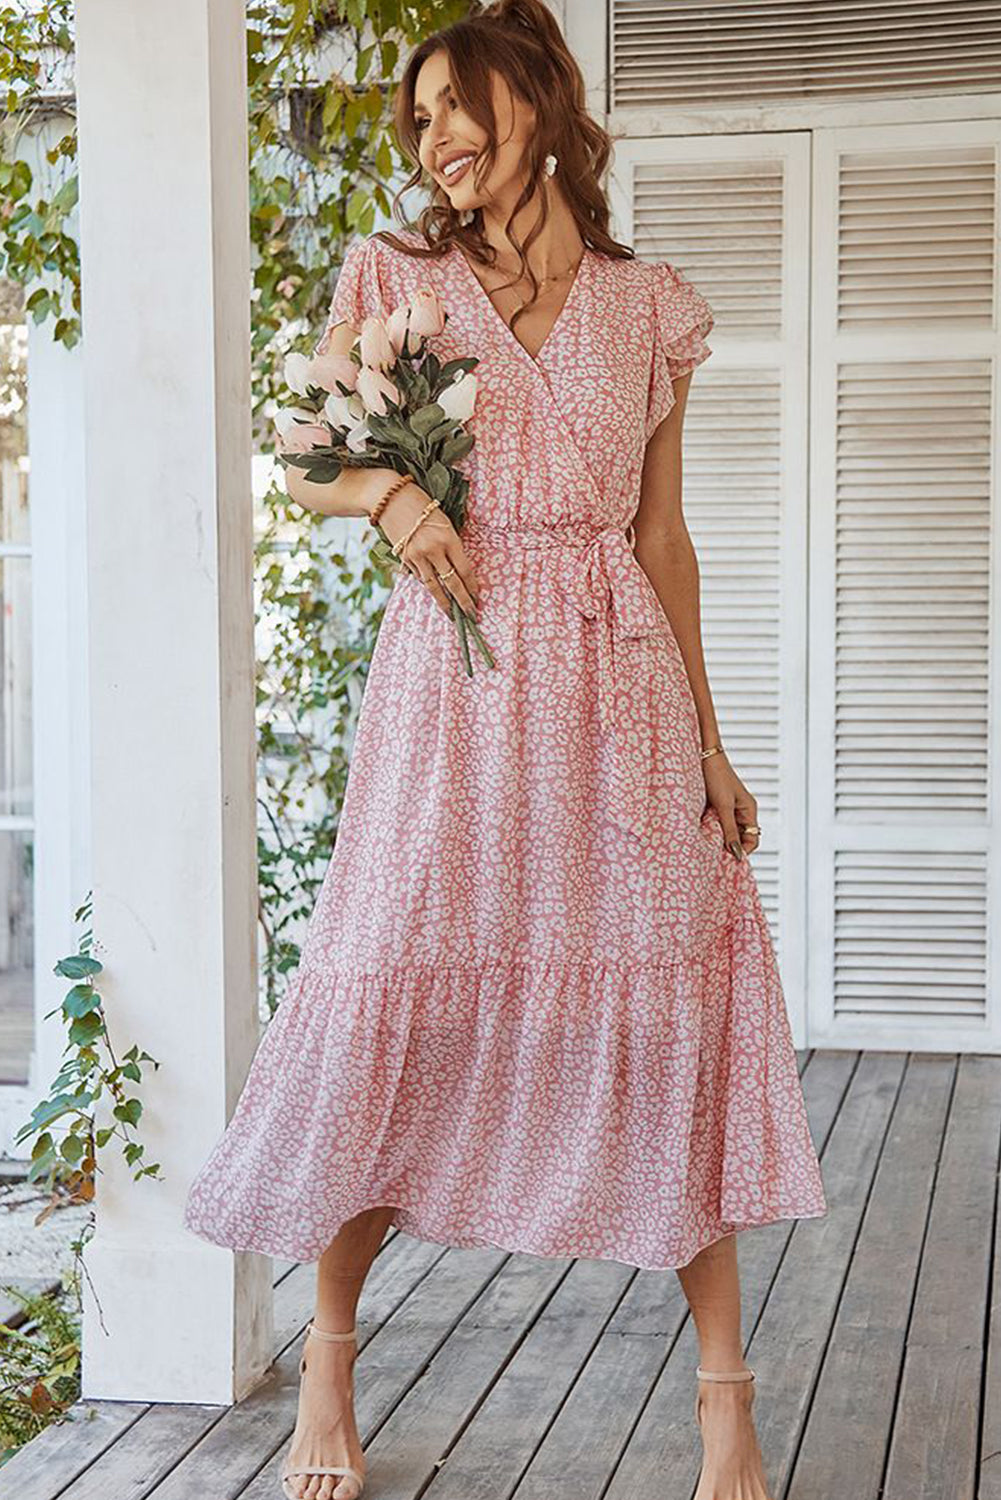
542,280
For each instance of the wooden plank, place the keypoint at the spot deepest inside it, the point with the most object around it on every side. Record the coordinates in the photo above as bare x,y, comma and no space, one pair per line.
579,1453
491,1396
856,1391
933,1448
150,1451
789,1288
788,1344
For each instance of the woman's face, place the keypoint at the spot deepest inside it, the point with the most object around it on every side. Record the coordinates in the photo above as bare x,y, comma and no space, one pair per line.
448,134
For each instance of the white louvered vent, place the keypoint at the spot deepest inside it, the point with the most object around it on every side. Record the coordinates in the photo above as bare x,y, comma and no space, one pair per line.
916,236
910,934
721,223
667,55
733,510
913,595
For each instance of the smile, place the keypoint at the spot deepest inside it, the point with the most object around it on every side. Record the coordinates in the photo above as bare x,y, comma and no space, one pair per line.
459,167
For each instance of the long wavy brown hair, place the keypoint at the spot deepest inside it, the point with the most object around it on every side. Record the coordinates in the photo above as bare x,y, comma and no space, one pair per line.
522,41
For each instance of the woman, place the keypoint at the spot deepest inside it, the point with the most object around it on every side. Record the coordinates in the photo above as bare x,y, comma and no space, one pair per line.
537,1005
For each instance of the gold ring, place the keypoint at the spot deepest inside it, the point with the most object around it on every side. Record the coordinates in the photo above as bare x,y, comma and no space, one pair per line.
750,828
443,576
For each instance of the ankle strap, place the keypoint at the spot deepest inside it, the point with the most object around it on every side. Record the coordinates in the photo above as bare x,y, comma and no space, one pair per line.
747,1374
332,1338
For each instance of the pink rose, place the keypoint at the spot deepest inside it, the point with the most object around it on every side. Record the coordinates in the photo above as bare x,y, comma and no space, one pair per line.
326,370
376,350
300,432
396,327
374,386
427,315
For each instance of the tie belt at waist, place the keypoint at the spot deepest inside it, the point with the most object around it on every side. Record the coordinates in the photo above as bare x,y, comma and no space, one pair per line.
607,584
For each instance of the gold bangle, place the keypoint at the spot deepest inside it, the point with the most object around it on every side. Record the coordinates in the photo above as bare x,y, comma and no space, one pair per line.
713,750
401,544
380,505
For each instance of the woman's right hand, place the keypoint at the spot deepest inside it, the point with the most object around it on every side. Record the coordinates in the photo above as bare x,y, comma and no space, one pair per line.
434,549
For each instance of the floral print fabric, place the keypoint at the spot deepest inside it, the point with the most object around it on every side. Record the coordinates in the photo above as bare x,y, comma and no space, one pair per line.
537,1005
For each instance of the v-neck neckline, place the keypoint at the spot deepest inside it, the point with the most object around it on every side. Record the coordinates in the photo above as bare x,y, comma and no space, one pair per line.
557,322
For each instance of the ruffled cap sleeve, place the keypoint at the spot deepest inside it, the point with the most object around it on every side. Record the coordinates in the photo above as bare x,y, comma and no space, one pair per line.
682,319
358,291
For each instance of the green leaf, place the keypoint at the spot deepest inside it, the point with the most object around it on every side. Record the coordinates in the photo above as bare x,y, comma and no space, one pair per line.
41,1167
426,419
86,1028
81,999
78,966
455,449
438,481
52,1109
451,368
67,196
130,1111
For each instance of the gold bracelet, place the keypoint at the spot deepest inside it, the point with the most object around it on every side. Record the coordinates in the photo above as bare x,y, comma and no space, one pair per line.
380,505
401,544
713,750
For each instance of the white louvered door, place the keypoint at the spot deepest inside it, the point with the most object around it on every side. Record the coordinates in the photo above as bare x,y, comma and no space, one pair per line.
733,215
904,659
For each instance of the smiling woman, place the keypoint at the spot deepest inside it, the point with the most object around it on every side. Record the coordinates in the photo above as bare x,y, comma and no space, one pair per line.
537,1006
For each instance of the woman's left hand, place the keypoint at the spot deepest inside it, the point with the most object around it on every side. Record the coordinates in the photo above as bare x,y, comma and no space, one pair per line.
738,811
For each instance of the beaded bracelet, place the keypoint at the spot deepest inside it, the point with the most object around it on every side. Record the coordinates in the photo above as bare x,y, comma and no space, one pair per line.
381,503
431,505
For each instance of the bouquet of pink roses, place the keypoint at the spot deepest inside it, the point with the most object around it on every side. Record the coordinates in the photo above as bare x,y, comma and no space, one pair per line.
390,403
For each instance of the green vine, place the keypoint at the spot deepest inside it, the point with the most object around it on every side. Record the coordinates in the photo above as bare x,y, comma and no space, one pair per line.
66,1135
39,1366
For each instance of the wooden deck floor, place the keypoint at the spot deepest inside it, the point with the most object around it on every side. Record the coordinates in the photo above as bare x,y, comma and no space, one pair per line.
875,1332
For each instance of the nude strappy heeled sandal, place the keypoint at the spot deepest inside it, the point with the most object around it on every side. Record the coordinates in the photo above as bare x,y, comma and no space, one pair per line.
344,1470
701,1374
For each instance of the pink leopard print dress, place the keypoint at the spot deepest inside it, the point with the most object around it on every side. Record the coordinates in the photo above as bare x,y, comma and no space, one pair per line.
537,1005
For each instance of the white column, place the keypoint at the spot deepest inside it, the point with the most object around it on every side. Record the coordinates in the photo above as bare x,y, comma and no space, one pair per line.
166,283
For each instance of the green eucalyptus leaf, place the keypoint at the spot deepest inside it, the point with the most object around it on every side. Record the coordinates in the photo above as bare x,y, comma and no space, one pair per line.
426,419
455,449
438,481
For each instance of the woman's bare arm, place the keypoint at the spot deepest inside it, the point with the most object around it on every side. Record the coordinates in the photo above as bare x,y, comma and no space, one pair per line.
665,553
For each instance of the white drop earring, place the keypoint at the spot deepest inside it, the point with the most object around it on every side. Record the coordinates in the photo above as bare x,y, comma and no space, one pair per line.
550,165
467,216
